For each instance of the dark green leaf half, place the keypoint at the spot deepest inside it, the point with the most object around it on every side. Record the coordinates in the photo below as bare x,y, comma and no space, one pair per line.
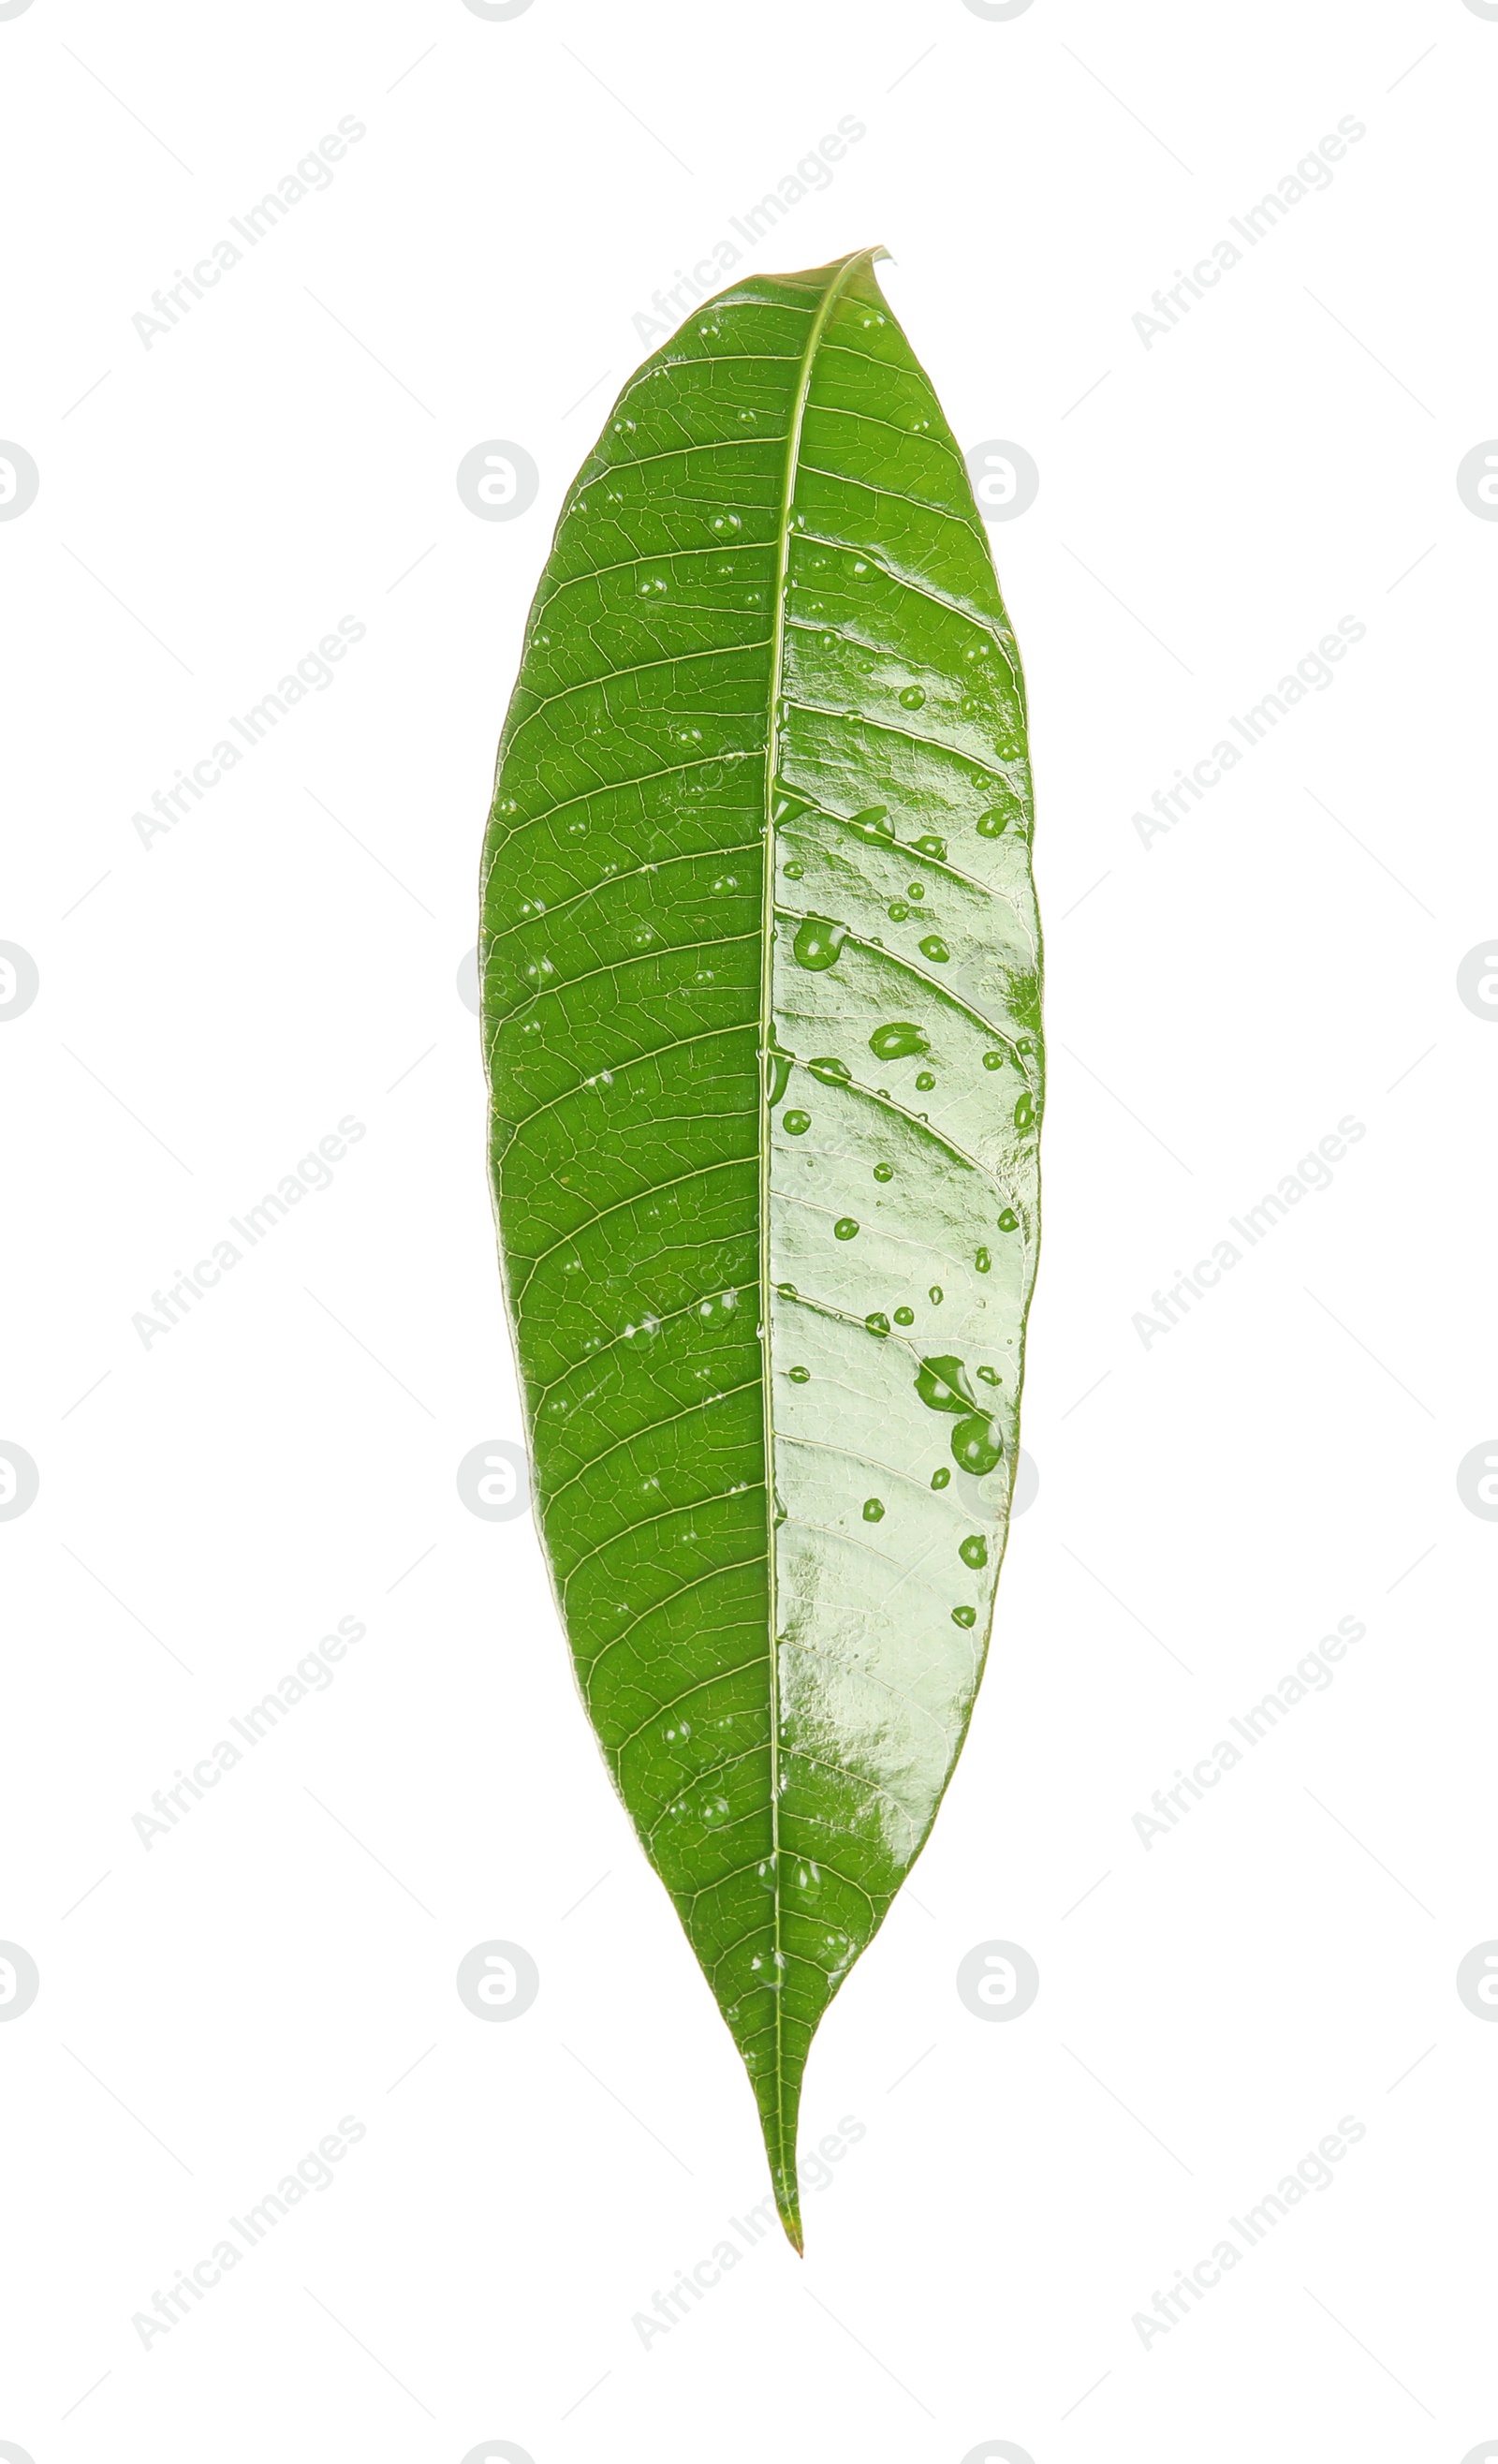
761,970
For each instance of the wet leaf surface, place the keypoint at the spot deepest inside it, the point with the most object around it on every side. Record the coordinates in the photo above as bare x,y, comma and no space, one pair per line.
761,970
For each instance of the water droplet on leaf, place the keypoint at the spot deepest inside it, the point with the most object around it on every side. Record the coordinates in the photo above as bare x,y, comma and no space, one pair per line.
942,1384
893,1042
818,943
976,1446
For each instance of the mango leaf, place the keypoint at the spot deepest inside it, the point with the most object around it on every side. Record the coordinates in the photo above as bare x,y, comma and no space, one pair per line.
761,970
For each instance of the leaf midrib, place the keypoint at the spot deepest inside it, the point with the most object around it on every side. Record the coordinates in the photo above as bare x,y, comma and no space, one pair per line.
824,309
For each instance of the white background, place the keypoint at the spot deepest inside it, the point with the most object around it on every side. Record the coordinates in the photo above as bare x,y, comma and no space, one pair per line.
1209,1504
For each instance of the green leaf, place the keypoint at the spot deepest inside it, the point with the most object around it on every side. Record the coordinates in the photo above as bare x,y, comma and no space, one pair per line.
761,971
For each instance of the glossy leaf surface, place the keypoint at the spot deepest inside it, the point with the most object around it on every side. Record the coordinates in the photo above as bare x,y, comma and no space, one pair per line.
761,972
